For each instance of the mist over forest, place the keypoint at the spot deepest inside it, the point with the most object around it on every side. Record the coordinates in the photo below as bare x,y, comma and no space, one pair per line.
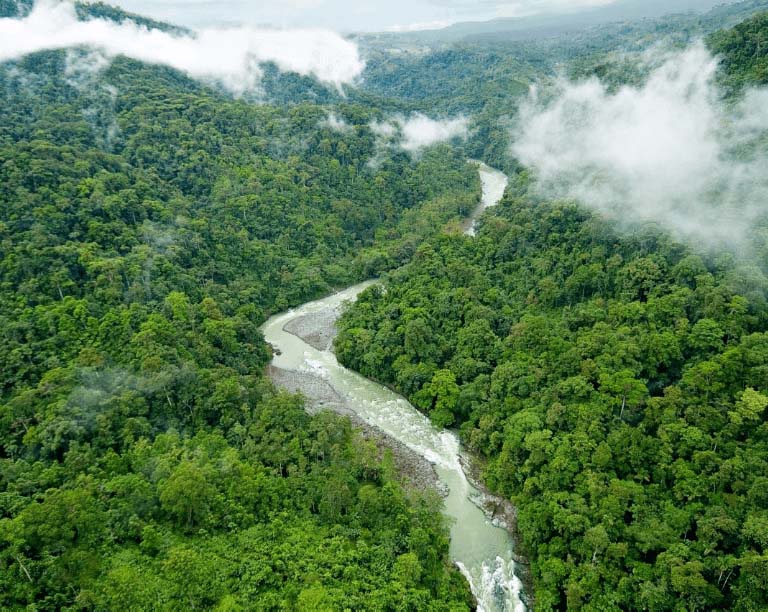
562,212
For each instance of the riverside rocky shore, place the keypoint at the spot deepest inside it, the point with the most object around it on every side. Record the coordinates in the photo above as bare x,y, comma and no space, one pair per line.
319,330
416,472
482,535
502,513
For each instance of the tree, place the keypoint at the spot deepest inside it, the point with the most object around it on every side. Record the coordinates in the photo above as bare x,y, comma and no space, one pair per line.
439,397
187,494
627,391
749,408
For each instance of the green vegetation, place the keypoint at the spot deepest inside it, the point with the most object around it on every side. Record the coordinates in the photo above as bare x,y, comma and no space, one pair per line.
616,387
276,511
148,226
462,78
90,10
744,51
100,10
486,76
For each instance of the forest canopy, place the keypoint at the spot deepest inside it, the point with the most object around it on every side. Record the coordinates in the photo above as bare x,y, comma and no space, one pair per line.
613,384
148,226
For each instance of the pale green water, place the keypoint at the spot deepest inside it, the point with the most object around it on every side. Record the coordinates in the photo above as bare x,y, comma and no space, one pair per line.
494,184
481,549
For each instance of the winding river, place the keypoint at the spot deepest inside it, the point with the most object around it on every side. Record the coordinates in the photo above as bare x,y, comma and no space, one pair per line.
483,550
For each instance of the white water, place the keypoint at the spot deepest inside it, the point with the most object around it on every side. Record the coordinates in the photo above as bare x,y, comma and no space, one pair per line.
481,549
494,185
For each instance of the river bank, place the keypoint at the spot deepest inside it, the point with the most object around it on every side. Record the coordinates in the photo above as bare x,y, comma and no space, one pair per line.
502,513
481,544
415,471
319,330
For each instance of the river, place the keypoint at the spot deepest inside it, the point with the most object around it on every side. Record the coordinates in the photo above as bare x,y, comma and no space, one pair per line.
481,549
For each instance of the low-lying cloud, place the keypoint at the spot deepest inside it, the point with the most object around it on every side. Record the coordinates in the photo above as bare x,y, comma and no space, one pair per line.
418,131
229,56
670,151
335,123
83,70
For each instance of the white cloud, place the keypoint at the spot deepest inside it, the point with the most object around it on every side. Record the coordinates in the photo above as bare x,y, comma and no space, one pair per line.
230,56
335,123
418,131
384,129
669,151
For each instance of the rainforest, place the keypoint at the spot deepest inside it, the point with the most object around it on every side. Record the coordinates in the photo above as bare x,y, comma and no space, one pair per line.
451,319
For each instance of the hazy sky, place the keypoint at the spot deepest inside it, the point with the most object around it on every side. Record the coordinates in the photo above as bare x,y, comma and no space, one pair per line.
346,15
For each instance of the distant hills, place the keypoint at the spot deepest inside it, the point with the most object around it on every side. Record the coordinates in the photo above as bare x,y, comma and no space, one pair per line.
92,10
549,25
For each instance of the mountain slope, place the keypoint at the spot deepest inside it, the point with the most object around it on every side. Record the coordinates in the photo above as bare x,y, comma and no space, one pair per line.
148,225
551,25
616,384
744,50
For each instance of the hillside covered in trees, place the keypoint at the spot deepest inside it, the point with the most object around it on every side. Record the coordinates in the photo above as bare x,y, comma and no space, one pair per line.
148,226
614,383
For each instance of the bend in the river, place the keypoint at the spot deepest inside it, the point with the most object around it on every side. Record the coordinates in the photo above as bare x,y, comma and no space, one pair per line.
483,550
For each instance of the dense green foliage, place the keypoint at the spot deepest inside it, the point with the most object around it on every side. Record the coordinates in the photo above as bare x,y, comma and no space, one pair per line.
615,385
462,78
100,10
147,227
485,77
274,511
744,51
617,388
90,10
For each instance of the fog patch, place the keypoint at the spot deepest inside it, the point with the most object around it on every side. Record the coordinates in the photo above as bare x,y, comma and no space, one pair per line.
157,242
415,133
99,387
668,151
383,130
229,56
103,390
419,131
335,123
83,70
16,80
82,67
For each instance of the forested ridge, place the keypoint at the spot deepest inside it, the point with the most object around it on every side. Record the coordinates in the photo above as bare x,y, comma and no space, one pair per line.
614,386
486,76
91,10
742,49
148,226
614,383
